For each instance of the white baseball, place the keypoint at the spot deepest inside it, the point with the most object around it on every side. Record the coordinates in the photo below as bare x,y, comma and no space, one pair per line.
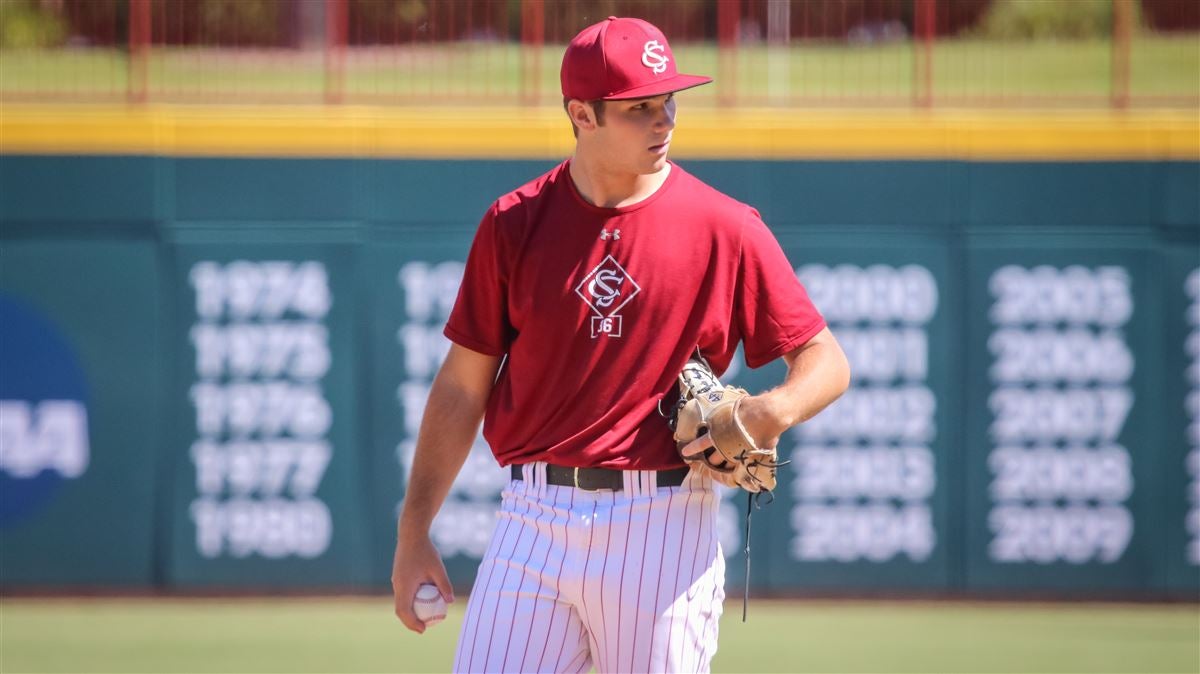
429,605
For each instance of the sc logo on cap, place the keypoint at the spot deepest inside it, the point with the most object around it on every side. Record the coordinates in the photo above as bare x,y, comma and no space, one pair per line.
654,57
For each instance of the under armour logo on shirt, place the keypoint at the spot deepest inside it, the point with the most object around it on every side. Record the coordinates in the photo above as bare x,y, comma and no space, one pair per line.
615,235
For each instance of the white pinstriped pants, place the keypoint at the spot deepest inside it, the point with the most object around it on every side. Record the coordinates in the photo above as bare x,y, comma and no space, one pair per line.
629,581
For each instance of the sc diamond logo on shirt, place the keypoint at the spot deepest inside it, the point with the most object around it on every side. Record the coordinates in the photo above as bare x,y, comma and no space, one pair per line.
606,289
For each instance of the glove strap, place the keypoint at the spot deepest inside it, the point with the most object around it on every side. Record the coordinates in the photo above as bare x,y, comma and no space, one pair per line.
751,503
737,421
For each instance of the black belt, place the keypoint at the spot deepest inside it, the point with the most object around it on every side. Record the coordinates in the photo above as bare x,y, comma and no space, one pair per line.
591,479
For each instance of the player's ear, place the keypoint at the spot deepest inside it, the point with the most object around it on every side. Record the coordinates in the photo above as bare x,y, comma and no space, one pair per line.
582,115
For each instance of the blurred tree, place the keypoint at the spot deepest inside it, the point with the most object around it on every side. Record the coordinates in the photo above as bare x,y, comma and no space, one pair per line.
385,21
681,20
184,22
240,22
846,19
25,24
1170,15
1039,19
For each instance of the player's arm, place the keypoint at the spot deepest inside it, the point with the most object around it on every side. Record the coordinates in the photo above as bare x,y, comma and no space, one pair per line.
818,374
457,401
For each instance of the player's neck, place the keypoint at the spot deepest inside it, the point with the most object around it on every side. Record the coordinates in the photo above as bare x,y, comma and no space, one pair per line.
609,189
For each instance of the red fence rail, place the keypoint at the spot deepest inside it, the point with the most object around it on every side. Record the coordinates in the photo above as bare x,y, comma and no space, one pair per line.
920,53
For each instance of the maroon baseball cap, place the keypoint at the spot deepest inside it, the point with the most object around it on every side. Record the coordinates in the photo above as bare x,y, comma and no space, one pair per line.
622,58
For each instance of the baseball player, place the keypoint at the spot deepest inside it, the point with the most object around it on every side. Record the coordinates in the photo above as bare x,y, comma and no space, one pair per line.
586,293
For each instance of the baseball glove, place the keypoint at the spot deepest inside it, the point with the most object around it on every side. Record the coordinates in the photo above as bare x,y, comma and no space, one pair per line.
731,456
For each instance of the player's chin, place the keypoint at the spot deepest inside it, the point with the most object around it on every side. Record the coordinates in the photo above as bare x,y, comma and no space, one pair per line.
656,163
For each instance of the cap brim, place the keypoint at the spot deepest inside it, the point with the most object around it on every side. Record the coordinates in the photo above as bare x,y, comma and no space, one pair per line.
667,86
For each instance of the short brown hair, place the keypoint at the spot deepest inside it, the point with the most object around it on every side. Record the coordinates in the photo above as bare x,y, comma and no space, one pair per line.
597,106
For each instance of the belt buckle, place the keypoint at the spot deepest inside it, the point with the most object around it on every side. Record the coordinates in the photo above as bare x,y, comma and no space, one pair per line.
575,480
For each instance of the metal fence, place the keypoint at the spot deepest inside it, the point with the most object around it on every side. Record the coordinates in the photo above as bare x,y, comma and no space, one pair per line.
906,53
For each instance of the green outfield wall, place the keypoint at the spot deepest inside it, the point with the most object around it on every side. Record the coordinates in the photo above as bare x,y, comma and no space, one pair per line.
213,368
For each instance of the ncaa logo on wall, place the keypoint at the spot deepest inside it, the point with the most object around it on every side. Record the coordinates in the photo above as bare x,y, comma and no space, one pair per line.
606,289
43,411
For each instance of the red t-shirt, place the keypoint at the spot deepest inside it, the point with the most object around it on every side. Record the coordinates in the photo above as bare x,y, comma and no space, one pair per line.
598,309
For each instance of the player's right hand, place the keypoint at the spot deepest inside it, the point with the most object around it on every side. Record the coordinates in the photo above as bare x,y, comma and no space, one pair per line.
417,562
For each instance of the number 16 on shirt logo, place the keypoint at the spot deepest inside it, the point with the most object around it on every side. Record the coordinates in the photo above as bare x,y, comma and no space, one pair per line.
606,289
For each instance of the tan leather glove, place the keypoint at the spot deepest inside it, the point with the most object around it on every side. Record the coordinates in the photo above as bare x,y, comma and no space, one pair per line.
710,435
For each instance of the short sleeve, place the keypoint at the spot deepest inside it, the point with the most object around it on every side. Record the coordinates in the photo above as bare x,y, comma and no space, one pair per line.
772,308
479,320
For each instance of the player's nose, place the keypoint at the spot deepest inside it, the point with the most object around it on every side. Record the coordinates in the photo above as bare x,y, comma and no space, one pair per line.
666,119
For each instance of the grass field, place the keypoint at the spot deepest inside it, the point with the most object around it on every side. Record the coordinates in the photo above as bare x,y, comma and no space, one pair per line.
361,635
963,70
